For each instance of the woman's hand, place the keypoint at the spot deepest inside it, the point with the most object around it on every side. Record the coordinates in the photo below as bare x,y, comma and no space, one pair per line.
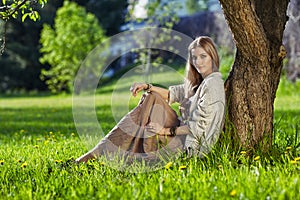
183,108
189,89
155,128
137,87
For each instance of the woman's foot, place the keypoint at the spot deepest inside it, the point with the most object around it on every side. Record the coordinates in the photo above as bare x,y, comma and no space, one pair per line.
85,158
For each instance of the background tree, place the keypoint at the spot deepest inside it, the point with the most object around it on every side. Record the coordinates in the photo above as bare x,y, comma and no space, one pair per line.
194,6
257,28
110,13
74,35
12,9
158,14
20,67
19,63
292,41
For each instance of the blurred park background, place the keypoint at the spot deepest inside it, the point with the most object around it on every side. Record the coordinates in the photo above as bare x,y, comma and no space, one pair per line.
44,55
39,140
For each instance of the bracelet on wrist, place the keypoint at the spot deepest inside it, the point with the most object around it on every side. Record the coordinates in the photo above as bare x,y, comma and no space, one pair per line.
173,130
149,86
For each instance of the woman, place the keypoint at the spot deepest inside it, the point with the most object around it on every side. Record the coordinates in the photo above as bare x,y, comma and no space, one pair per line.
153,130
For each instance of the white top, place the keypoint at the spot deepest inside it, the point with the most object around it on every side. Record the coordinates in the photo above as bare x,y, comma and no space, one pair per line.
204,112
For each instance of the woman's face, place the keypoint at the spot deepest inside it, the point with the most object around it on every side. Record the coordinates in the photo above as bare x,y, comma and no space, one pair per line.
202,61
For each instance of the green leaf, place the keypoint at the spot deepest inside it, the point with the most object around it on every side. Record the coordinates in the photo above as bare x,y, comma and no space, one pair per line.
24,16
15,15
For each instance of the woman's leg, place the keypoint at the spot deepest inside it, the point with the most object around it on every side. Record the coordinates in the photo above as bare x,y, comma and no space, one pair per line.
129,136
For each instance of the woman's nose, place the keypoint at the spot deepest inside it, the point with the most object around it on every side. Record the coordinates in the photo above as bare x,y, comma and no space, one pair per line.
198,61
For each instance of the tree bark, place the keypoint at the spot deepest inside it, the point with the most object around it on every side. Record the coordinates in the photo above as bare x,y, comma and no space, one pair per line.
257,27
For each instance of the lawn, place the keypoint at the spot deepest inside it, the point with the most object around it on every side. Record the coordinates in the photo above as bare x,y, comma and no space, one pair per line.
39,143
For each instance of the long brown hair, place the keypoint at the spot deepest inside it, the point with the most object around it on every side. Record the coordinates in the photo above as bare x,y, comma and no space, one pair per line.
192,75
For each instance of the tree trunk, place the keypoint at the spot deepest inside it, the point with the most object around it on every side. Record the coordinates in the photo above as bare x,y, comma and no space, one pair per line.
257,27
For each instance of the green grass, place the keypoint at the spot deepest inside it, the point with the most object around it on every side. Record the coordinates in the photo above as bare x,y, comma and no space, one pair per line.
39,141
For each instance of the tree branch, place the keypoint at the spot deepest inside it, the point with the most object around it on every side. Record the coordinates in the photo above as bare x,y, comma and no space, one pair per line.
17,8
3,45
7,9
4,8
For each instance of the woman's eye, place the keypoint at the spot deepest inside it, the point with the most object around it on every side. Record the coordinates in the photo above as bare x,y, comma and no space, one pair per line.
203,56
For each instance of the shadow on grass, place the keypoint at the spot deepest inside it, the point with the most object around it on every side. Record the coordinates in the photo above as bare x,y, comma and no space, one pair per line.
39,121
27,94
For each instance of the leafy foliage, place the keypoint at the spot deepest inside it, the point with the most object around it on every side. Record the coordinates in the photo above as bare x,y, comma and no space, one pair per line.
74,35
110,13
11,9
194,6
159,14
20,65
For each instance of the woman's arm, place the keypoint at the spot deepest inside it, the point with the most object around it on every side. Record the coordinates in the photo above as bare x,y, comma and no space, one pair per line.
180,130
158,129
137,87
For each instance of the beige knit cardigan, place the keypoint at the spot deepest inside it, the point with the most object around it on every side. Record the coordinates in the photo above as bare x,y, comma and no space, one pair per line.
203,113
